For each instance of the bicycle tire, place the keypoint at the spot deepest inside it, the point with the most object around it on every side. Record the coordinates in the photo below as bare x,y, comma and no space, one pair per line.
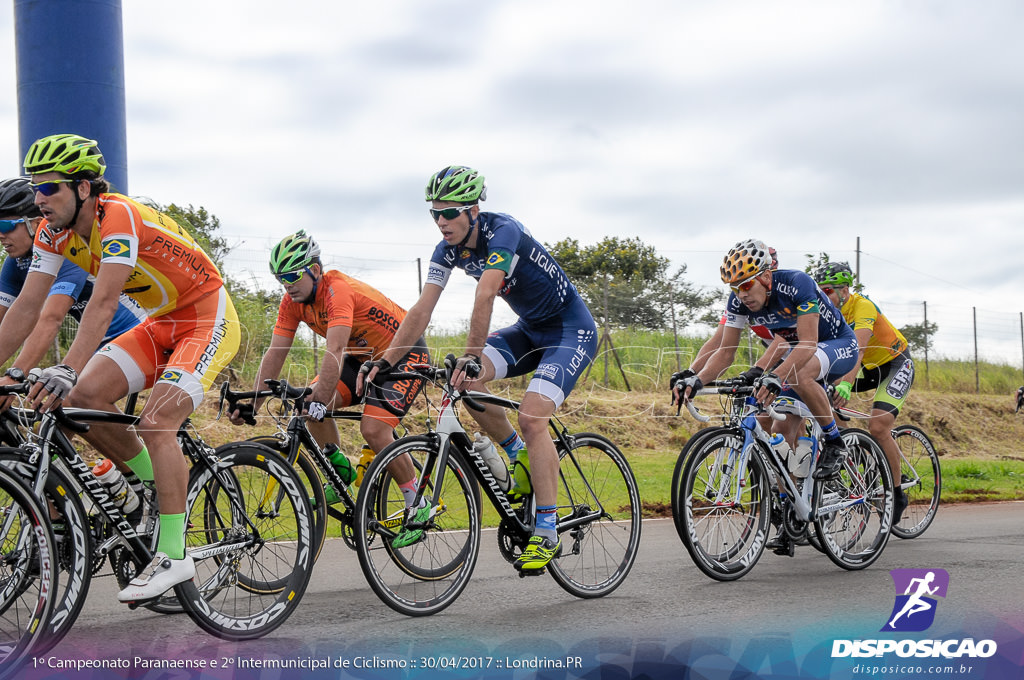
306,469
854,536
678,494
924,492
725,540
250,590
73,550
427,576
28,576
594,478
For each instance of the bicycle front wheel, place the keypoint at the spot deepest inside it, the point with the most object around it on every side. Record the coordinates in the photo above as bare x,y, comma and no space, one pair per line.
599,517
427,575
250,534
28,573
854,509
678,490
726,507
72,546
921,479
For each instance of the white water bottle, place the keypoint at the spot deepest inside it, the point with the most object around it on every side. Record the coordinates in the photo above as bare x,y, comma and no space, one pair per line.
800,462
781,446
124,496
485,447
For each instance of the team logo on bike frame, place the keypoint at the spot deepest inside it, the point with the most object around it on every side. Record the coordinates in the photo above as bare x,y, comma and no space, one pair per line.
916,593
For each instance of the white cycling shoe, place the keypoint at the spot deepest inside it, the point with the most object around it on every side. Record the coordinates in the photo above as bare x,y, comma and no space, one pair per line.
157,578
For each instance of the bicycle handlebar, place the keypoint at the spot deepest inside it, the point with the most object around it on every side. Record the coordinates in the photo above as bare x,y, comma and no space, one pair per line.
731,387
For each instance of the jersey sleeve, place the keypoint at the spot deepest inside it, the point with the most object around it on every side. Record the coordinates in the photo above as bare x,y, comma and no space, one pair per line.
805,294
9,288
864,315
339,304
502,245
735,313
287,318
441,264
47,255
119,234
70,281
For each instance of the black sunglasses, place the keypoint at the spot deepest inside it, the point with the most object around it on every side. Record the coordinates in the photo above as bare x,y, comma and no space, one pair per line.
449,213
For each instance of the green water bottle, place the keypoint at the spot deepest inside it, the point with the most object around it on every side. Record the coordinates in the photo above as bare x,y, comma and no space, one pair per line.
521,475
342,466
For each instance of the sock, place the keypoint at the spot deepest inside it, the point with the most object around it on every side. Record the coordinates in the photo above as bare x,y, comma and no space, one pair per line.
513,445
830,431
172,536
546,526
142,465
409,493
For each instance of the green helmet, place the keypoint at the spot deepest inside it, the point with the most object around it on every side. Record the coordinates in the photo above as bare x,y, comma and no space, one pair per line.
294,253
456,183
66,154
834,274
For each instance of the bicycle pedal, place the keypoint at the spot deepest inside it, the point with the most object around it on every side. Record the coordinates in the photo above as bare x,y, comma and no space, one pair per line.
532,572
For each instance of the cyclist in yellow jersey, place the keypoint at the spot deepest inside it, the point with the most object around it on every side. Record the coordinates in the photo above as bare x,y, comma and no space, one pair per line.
191,334
884,365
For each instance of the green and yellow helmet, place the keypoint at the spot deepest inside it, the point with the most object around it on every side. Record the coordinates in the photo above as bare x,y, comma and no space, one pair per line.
293,253
834,274
456,183
66,154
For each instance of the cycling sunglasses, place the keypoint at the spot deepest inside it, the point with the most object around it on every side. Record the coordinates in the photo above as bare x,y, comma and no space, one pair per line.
745,286
449,213
827,290
51,187
7,226
291,278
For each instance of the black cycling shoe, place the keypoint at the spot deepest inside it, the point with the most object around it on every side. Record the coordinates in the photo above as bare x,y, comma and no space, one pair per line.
781,545
831,460
900,501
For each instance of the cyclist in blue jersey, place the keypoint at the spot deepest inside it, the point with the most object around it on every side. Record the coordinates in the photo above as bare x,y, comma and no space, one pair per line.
555,337
19,219
817,343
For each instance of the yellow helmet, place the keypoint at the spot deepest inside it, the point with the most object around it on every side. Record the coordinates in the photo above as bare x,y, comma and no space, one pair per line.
746,259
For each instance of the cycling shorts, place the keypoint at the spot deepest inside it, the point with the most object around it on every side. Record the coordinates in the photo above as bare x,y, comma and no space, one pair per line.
187,348
891,382
835,357
387,401
557,352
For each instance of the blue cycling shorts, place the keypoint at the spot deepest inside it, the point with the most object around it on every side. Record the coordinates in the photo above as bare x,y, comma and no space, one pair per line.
557,352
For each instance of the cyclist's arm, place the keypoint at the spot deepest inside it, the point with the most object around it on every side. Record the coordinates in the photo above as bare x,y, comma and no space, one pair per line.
272,363
46,329
21,318
330,366
722,357
99,312
708,348
487,289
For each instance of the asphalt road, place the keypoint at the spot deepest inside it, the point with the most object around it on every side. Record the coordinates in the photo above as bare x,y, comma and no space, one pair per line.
665,600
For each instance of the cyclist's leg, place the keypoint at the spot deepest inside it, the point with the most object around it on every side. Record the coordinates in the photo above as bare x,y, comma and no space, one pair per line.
896,378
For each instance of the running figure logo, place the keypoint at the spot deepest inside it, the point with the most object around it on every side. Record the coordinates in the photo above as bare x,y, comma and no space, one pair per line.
916,590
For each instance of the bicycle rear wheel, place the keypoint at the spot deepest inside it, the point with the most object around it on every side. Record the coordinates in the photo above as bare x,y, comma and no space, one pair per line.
599,517
306,470
72,546
678,492
28,573
253,547
726,508
426,576
854,528
921,479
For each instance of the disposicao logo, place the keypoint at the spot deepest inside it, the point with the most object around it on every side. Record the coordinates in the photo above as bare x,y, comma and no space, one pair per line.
916,603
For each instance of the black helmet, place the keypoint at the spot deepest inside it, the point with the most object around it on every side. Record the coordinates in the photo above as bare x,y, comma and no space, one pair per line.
16,198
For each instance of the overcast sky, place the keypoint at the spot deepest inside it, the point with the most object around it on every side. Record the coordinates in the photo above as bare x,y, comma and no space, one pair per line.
689,124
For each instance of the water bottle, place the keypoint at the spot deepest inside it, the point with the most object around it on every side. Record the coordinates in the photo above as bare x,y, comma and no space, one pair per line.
365,458
123,496
340,462
781,446
521,474
800,461
485,447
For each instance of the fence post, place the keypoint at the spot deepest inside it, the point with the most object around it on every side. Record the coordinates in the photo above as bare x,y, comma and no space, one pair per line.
927,382
977,377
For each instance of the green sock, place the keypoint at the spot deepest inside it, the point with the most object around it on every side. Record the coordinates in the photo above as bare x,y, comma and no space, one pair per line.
142,465
172,536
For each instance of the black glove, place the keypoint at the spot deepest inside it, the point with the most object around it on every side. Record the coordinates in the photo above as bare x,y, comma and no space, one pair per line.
693,382
383,367
770,382
750,376
679,377
470,363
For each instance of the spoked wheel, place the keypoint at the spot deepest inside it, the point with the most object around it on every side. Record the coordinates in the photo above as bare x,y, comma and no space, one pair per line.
28,573
854,508
306,470
428,574
249,530
921,479
599,517
726,507
678,492
72,547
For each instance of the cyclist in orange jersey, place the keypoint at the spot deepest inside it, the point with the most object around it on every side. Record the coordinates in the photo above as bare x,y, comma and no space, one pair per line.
191,334
358,322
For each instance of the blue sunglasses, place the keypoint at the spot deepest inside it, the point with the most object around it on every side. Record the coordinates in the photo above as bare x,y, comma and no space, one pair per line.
7,226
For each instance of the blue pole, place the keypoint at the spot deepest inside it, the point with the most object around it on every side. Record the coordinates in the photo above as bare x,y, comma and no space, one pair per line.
71,76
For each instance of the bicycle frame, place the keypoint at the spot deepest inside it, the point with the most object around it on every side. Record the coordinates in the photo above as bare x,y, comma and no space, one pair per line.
846,413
